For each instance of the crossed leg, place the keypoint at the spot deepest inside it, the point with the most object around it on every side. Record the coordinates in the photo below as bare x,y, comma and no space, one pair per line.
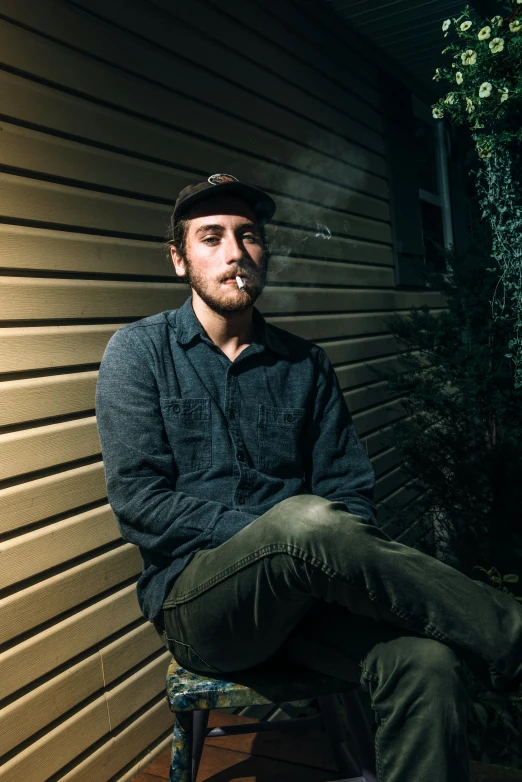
416,688
405,618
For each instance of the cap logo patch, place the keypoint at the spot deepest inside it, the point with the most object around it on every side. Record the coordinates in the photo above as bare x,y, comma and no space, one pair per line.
219,179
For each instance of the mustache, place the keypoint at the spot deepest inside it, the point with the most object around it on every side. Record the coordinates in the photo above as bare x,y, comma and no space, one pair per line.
238,274
249,275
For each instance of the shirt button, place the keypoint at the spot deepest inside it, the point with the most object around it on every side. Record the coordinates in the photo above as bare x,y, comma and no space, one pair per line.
289,418
176,408
241,457
241,500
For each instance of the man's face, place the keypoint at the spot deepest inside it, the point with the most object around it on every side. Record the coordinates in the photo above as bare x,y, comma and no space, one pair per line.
223,241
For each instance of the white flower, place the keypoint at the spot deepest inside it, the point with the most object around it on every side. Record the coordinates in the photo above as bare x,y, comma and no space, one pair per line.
504,94
497,20
459,78
445,25
437,112
496,45
485,89
437,74
450,98
465,26
484,34
484,150
469,57
515,26
469,105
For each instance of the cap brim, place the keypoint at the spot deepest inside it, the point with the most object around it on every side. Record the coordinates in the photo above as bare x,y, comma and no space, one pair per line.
262,205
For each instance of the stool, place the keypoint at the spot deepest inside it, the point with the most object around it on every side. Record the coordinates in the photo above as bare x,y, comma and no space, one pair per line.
190,696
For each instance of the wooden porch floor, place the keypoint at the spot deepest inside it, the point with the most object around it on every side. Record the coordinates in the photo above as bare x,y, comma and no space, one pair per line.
279,757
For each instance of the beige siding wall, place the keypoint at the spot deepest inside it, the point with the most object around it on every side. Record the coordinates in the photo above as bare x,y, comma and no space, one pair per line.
106,113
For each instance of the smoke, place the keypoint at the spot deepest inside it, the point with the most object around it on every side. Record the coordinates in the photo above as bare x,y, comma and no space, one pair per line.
323,232
314,191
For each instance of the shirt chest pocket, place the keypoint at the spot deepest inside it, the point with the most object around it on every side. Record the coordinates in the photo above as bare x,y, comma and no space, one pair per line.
188,425
279,430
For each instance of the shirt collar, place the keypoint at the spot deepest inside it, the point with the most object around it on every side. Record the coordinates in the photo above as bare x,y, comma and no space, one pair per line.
188,327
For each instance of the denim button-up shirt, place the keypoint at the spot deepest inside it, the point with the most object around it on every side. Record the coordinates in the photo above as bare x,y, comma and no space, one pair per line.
196,446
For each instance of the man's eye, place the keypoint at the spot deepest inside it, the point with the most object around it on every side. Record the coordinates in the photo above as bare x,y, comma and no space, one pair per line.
210,239
251,237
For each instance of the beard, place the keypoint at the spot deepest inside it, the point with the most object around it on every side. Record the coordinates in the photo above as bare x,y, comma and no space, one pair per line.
220,302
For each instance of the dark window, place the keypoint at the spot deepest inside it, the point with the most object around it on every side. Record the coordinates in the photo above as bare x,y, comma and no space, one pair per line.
418,180
424,150
433,234
428,161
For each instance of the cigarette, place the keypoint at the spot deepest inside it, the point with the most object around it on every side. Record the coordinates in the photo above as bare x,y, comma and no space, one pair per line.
240,283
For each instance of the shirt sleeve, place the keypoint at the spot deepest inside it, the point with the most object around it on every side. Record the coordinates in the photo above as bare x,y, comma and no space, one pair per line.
337,466
139,464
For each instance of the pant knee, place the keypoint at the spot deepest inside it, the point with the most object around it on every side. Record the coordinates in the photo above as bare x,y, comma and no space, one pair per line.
294,517
427,662
307,516
306,506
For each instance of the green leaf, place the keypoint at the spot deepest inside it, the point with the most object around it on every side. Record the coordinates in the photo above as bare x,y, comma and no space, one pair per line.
510,578
508,722
481,713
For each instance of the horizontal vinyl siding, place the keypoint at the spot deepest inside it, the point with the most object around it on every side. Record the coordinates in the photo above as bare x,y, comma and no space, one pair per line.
107,111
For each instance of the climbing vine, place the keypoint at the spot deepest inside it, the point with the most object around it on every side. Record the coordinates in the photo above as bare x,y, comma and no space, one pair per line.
486,94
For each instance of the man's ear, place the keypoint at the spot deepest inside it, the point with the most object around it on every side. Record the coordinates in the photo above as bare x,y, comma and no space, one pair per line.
177,260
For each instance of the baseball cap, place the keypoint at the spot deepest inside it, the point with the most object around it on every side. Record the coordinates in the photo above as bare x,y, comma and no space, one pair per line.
262,205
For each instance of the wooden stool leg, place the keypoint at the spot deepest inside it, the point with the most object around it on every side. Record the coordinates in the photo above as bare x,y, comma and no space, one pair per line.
181,763
199,732
362,734
335,729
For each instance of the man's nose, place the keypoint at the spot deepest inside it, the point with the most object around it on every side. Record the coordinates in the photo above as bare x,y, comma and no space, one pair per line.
235,251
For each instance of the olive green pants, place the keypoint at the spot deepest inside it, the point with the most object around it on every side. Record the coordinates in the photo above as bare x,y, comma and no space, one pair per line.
330,591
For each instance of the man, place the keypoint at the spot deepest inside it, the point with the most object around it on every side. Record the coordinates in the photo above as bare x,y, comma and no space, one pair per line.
232,461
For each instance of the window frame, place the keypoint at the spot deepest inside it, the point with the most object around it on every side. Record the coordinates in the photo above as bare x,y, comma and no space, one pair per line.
442,199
